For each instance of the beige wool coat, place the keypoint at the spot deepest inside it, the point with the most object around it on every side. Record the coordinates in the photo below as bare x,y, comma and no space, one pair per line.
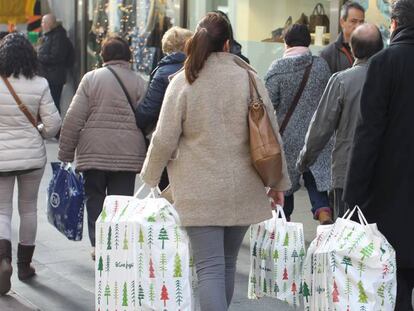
202,137
100,124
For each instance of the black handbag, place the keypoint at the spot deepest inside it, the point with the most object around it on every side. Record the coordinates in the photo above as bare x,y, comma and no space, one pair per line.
318,18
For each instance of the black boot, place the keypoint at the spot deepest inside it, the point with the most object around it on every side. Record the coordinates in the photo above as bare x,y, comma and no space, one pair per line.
24,258
5,266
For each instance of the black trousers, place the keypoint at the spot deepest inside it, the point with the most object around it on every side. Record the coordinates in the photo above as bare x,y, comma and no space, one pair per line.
56,91
405,286
99,184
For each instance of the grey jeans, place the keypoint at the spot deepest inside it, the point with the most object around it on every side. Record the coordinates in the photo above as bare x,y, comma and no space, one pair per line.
28,187
215,252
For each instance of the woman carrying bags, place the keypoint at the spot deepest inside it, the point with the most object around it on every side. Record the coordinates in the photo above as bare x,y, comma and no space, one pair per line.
202,137
25,98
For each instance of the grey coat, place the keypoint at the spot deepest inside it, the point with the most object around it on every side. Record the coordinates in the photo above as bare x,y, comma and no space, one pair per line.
336,114
282,82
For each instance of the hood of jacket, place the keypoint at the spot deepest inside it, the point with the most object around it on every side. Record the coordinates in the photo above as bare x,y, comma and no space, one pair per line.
403,35
173,58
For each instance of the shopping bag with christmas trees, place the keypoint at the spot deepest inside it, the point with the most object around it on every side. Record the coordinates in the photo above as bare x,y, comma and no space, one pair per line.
353,267
277,254
142,253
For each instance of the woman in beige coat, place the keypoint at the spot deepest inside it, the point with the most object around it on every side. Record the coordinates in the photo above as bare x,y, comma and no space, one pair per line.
100,125
202,138
23,152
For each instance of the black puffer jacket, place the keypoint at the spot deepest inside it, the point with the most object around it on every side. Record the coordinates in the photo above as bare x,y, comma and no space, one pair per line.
54,54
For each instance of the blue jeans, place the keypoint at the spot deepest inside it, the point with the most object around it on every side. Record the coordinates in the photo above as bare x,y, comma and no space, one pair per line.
319,199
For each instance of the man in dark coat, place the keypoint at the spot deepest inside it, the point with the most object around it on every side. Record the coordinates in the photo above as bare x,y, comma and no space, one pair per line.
55,56
338,54
381,168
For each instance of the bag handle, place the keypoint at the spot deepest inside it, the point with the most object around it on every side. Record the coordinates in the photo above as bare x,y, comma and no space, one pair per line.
279,212
361,216
319,9
123,88
19,103
253,89
296,98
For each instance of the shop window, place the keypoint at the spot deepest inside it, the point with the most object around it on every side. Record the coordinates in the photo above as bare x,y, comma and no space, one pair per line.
141,22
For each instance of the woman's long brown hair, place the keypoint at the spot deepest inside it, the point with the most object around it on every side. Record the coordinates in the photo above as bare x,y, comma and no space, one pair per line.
211,35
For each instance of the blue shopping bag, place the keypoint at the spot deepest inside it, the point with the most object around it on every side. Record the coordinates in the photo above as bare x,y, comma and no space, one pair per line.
65,201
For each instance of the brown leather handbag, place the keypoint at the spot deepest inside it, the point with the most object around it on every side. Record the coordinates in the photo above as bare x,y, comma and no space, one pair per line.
264,146
318,18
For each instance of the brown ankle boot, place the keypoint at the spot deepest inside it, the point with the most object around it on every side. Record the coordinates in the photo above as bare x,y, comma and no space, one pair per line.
325,217
5,266
24,258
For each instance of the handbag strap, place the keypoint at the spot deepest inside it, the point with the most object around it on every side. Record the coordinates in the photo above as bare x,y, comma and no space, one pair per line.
254,92
296,99
19,103
319,10
123,87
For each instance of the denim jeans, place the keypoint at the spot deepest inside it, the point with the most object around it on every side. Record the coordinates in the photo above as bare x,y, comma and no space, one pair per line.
319,199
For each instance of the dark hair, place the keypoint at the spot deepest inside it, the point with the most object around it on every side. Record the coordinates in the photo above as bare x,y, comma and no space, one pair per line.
403,12
211,34
231,37
350,5
115,48
363,47
17,56
297,35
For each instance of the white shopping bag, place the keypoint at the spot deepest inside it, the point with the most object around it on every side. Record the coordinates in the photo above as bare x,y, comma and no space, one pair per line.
277,251
142,256
351,267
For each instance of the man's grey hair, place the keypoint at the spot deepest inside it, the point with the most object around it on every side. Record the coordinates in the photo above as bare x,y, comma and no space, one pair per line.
350,5
366,41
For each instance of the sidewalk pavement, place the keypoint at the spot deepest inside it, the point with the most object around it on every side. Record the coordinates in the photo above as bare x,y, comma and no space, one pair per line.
65,271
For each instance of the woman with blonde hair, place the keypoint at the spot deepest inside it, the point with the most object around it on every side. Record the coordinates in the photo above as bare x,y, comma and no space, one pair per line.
173,44
202,138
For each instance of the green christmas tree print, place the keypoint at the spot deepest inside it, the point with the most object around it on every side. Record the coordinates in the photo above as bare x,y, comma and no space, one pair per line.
347,262
177,238
108,263
284,287
125,296
141,295
264,286
163,264
294,255
125,247
141,237
286,241
276,289
100,265
151,294
163,236
380,293
305,291
107,293
178,293
275,255
363,298
150,237
109,242
348,288
140,264
164,295
133,293
99,296
116,293
103,214
177,266
367,251
151,218
124,210
302,253
361,268
162,215
116,236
